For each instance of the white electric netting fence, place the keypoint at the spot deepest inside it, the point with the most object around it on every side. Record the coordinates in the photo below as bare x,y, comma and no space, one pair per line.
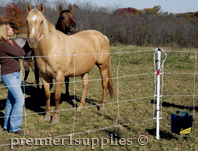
117,78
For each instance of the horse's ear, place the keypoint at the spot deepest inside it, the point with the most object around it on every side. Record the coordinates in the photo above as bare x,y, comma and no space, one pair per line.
70,8
28,7
60,9
41,7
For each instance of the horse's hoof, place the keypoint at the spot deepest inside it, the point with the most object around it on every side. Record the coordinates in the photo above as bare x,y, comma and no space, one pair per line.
46,118
102,109
78,108
54,121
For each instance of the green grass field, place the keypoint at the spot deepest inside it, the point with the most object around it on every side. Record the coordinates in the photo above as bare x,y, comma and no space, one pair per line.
128,115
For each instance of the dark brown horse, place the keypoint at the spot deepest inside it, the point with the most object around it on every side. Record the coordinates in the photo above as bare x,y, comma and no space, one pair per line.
27,60
65,21
66,24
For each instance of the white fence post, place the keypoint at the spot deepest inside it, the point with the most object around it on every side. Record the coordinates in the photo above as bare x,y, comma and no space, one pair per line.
158,93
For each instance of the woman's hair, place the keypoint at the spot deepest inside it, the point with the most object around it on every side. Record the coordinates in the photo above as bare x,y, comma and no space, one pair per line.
3,31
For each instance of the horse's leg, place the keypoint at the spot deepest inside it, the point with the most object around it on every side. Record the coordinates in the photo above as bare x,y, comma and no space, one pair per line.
104,76
46,85
85,79
36,73
31,65
26,67
26,75
51,83
67,86
59,84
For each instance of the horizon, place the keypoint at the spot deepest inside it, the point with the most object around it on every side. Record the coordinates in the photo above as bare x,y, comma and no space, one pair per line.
179,6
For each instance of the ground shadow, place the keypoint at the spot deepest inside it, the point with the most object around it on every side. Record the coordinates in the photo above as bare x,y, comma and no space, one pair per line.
167,104
163,134
2,104
2,119
114,134
2,107
36,102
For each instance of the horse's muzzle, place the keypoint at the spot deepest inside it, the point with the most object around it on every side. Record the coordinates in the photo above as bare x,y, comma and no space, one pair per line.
33,42
73,28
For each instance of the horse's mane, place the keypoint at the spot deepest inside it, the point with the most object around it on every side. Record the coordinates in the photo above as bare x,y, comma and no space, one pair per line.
51,26
58,23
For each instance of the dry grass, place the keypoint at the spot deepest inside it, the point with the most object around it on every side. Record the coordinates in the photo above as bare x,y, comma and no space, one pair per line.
135,106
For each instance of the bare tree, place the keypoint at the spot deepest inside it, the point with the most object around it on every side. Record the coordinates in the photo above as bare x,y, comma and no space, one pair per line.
143,29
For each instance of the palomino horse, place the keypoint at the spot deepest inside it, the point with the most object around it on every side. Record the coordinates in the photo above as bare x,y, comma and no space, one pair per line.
58,56
65,24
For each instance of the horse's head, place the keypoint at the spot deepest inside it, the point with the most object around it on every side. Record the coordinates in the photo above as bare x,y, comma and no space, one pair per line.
66,20
36,25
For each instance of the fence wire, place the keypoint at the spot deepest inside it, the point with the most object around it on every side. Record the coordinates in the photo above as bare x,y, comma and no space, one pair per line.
118,100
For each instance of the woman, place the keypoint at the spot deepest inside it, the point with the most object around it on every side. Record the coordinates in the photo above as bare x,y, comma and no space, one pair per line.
10,53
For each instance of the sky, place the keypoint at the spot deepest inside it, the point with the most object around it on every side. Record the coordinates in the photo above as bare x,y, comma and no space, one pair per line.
171,6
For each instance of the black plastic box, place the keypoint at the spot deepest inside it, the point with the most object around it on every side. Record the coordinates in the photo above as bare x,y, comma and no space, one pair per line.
181,123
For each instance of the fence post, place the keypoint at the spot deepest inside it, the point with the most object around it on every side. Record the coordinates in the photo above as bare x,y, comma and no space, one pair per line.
159,85
158,92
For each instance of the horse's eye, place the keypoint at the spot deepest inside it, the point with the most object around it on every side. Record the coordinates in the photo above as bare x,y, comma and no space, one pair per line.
26,21
63,17
42,22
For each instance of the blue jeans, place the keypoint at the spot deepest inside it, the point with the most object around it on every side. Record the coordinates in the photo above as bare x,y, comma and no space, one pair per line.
15,101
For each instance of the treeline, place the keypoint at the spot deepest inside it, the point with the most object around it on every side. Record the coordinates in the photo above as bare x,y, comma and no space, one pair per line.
147,27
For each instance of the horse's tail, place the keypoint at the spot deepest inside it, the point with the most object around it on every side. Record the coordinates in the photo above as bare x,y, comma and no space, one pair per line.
110,83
